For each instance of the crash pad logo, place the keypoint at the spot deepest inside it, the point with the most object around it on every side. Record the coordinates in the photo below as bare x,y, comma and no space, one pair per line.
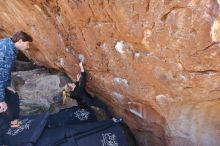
82,114
25,125
109,139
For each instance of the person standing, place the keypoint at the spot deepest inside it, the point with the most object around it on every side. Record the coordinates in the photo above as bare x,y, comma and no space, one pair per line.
9,100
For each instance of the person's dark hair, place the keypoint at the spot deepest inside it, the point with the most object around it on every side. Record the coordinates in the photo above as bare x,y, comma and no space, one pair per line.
21,35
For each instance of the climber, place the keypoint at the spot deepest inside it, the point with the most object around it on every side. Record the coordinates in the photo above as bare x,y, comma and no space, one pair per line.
9,100
78,92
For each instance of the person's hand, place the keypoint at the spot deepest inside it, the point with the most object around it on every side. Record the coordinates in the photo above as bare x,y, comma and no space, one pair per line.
11,89
81,58
3,107
78,77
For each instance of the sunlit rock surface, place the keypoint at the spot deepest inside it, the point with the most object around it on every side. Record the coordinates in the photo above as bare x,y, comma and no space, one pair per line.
155,62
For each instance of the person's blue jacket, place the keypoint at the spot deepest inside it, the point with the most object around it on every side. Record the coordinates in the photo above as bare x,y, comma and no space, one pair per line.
8,54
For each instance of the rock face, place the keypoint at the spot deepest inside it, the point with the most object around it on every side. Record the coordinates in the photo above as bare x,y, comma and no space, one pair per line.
155,62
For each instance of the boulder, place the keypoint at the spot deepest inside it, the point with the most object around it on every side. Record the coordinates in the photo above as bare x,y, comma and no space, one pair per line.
154,62
39,89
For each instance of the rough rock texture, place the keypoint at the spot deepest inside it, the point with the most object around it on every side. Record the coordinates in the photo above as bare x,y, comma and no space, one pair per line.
39,90
155,62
